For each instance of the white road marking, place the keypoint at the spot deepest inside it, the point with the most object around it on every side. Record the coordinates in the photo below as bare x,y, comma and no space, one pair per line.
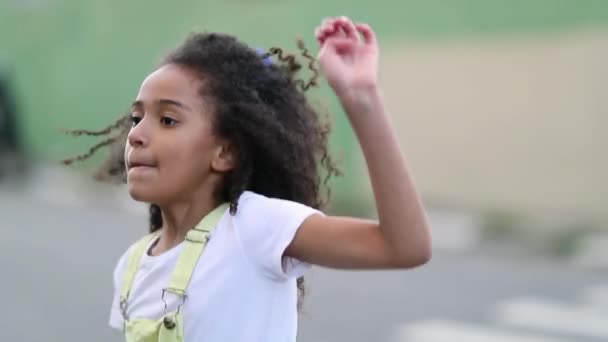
553,316
450,331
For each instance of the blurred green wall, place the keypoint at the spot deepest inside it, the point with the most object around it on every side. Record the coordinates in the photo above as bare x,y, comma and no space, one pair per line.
78,64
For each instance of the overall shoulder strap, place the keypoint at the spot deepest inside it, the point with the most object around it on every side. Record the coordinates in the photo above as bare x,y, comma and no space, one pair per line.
196,241
132,264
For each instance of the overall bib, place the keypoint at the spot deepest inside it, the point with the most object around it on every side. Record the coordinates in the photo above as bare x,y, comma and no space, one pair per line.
170,327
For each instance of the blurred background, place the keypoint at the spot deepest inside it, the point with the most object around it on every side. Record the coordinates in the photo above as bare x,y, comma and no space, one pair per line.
501,108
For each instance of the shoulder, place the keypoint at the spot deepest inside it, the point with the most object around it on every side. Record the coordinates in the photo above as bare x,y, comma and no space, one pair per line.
261,214
265,208
265,226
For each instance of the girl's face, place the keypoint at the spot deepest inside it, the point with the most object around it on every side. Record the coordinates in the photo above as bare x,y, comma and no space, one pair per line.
172,151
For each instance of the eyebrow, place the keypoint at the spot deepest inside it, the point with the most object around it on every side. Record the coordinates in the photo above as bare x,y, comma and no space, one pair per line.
165,102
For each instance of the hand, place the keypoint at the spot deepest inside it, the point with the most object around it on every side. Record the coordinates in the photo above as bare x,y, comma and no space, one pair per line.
348,61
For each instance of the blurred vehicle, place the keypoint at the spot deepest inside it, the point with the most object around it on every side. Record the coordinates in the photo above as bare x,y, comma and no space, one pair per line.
12,152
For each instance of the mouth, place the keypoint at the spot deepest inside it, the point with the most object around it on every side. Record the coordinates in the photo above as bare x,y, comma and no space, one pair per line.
134,164
137,170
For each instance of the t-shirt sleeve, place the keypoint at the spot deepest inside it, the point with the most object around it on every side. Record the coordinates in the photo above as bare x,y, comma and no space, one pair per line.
116,321
265,227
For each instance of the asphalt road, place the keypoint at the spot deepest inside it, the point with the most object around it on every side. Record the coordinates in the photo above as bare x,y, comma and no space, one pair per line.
58,249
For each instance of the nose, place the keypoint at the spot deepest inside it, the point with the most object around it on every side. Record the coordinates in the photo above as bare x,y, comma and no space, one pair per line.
138,137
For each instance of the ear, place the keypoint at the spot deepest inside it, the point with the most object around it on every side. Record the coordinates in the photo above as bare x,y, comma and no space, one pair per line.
224,158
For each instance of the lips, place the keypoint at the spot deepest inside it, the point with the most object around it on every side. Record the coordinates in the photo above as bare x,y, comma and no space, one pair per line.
139,162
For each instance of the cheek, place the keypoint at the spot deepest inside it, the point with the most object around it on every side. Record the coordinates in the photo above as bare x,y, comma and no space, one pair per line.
187,158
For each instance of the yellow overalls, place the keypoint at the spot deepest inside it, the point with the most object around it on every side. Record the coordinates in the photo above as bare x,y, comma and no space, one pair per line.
170,327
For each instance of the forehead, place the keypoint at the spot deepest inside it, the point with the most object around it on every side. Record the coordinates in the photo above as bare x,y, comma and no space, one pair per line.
170,81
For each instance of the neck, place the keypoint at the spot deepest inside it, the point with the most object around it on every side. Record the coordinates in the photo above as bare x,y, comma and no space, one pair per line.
181,216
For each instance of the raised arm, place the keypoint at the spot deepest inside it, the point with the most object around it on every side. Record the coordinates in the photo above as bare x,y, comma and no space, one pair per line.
400,239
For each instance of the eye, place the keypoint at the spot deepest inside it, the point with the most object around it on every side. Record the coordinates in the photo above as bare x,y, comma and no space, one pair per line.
167,121
135,119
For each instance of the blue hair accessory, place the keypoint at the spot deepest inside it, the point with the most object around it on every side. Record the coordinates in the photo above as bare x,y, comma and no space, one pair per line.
267,60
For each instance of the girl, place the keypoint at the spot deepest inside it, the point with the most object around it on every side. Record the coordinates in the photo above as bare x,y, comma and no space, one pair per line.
217,124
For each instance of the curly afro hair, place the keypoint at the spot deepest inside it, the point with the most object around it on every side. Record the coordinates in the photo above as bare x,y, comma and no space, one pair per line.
260,105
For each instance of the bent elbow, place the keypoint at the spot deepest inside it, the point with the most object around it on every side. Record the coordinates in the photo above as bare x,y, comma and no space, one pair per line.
415,258
424,256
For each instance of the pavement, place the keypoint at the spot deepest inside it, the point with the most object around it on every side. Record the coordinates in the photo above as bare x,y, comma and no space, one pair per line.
61,237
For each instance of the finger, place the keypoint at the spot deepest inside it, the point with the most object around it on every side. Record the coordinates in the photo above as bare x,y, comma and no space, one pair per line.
319,36
321,39
369,37
348,27
331,29
327,21
321,33
340,44
327,24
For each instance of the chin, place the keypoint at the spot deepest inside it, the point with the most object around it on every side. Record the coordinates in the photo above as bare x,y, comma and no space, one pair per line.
142,195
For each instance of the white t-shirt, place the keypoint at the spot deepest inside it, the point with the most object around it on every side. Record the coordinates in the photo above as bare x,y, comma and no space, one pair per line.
242,289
